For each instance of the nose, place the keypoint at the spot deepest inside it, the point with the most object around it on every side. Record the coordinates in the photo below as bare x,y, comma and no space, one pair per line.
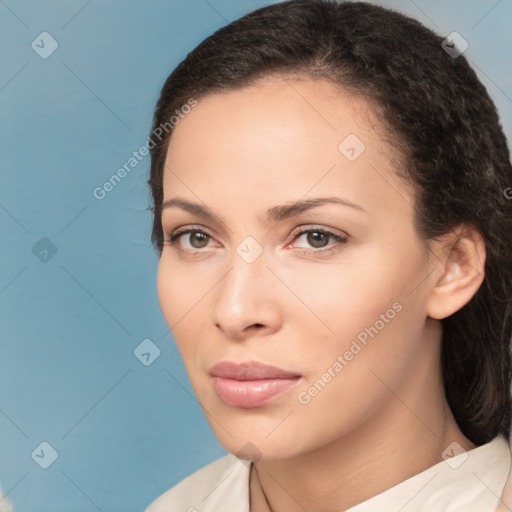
246,303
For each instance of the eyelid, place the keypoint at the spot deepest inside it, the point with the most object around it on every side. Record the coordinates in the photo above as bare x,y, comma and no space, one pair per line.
340,239
180,232
319,227
299,231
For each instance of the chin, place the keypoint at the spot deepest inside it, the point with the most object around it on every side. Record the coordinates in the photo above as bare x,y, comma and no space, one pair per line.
255,446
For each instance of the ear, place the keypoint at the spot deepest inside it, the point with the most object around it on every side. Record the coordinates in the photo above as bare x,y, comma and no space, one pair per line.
460,261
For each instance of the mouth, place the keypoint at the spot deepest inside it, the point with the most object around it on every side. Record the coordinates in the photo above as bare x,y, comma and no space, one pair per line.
251,384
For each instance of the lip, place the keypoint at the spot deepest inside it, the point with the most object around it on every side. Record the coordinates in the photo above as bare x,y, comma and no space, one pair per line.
250,384
249,370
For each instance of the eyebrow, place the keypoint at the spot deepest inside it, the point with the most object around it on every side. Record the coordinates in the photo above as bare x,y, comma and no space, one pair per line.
276,213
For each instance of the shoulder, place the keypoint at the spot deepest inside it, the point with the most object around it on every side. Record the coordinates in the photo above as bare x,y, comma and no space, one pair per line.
221,485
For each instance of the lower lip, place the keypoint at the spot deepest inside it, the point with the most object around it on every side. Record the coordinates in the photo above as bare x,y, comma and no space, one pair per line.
251,393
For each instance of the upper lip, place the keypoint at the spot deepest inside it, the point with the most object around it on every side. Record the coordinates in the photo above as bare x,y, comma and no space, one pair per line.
249,370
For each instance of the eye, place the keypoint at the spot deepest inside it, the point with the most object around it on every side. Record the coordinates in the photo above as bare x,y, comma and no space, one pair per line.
318,238
197,239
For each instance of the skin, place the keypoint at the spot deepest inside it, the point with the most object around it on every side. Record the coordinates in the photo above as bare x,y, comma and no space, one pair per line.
384,417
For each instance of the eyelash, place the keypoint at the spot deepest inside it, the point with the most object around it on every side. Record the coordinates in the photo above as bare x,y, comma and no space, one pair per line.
340,240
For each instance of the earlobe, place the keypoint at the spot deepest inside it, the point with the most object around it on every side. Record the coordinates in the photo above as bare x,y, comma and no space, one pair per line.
461,263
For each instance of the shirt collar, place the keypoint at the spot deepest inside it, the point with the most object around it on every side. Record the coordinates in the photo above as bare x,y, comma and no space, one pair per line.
471,481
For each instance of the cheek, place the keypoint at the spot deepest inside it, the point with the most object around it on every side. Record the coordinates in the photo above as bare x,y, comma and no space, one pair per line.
166,289
344,296
179,289
174,291
361,300
348,381
181,293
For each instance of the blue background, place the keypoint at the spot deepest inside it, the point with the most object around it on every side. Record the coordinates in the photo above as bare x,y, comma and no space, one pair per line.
124,432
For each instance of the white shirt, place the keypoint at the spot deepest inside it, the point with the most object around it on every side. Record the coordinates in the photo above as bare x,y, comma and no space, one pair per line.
469,482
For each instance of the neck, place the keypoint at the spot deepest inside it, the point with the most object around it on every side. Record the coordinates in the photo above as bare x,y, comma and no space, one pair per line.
405,437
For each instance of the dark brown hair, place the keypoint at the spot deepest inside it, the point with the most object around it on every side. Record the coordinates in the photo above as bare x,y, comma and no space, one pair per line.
448,132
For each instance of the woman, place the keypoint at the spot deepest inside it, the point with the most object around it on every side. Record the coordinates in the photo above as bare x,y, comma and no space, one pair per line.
330,209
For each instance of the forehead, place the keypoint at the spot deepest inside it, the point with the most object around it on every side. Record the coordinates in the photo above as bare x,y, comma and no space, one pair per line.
279,137
281,105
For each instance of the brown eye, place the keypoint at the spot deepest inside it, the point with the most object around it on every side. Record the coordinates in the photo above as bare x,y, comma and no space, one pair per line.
199,238
320,241
196,238
317,239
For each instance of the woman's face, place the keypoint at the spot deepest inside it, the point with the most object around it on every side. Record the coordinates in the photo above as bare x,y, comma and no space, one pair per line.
341,306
